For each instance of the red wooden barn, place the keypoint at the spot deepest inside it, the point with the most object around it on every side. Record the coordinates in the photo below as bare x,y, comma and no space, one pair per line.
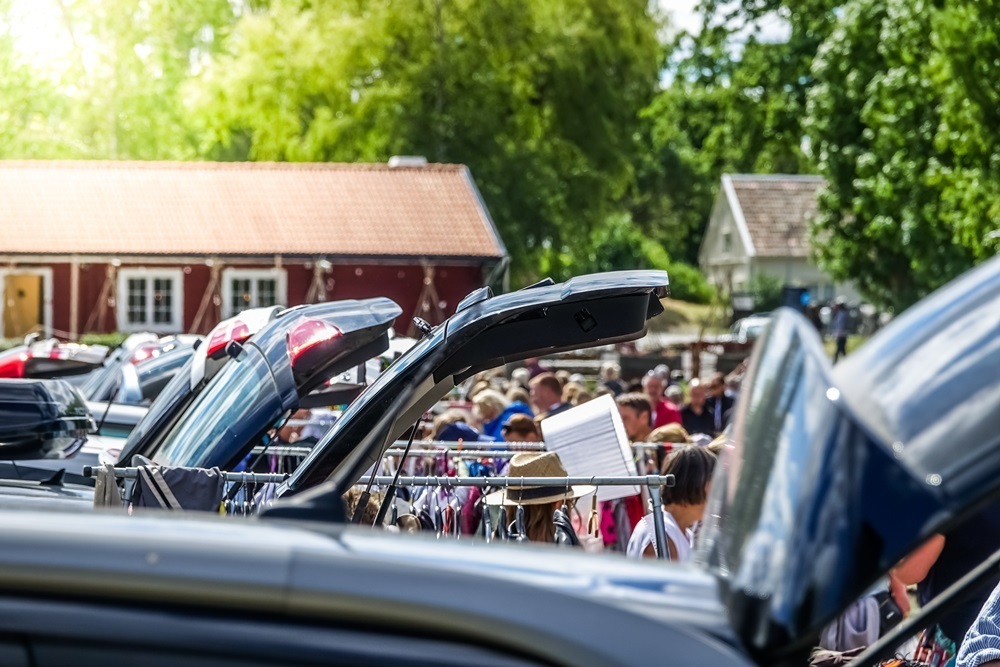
170,247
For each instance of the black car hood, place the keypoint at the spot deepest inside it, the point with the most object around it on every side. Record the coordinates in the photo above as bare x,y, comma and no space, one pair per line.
834,475
485,333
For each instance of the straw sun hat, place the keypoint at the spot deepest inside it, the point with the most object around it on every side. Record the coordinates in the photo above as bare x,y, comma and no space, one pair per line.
536,464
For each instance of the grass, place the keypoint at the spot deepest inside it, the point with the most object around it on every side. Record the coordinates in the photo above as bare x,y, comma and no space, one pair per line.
853,343
684,317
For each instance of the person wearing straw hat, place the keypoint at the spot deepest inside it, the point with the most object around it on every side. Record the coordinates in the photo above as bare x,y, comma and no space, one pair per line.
540,503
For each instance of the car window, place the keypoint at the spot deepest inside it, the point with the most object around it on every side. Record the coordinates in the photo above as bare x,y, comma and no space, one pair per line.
154,375
240,401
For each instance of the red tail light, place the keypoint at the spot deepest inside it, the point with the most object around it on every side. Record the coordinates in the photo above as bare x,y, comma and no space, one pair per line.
144,352
223,334
12,366
309,334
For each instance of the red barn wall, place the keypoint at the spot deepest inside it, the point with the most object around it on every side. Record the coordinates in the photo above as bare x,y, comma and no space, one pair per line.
403,284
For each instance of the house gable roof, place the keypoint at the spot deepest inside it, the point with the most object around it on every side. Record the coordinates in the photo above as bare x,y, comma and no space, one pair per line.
243,208
773,212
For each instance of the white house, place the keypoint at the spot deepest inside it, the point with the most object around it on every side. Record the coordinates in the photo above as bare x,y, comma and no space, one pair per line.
759,225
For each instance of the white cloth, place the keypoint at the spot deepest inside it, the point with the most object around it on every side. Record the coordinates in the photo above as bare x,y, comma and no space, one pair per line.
645,535
857,627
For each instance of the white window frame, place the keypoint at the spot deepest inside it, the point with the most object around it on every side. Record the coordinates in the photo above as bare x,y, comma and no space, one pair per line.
279,276
177,307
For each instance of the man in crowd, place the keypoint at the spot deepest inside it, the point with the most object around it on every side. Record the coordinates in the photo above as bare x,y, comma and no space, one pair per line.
695,416
839,326
662,411
611,378
718,403
546,396
634,409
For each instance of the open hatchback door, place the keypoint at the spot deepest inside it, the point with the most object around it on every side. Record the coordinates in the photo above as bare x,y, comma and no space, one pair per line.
486,332
835,474
267,376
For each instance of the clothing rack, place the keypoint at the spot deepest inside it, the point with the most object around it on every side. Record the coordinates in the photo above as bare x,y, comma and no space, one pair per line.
456,453
399,445
234,477
499,445
282,450
653,483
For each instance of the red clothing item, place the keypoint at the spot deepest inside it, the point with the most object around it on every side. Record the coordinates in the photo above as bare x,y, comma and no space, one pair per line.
665,413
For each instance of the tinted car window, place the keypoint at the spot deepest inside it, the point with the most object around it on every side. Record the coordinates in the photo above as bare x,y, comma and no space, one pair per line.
156,373
225,416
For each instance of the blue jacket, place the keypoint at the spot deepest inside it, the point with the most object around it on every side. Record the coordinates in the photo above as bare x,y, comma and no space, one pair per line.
494,428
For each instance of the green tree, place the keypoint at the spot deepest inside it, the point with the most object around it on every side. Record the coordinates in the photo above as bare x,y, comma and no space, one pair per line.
123,89
541,99
964,68
30,123
885,222
735,103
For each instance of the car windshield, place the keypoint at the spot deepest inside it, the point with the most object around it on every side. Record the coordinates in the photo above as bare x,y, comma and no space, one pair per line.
240,402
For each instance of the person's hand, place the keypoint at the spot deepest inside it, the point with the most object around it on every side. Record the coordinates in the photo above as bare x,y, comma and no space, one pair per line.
898,591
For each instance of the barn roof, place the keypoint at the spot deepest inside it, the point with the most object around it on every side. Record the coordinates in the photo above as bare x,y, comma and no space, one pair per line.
243,208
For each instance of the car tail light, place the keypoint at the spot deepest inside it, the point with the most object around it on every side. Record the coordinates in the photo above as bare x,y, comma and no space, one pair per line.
144,352
13,366
223,334
307,336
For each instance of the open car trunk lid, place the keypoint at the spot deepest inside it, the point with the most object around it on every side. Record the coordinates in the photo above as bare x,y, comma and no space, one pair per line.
186,384
486,332
287,359
834,475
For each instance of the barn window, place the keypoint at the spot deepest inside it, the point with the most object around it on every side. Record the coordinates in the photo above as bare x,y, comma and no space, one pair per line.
252,288
152,300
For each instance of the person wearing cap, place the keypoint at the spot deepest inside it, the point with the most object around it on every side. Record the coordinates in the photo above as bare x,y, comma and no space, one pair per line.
540,503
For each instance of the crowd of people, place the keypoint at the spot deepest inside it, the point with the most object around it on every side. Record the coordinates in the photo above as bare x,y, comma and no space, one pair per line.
656,408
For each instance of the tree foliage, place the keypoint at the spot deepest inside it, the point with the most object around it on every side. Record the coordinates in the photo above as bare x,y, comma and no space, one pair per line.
540,99
895,213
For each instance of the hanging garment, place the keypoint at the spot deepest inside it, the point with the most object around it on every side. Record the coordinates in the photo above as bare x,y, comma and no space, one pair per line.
106,487
565,536
194,489
644,535
857,627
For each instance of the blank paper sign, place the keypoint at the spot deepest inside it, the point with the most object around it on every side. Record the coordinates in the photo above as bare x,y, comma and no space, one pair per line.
591,442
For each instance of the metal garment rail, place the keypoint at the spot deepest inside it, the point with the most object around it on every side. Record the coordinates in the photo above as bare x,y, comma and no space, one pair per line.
510,446
457,453
652,482
248,477
282,450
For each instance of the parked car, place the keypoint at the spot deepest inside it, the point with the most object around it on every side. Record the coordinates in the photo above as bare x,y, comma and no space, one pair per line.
41,421
747,329
203,364
832,477
50,358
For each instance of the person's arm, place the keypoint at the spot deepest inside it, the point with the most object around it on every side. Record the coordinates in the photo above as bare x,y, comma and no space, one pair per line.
914,568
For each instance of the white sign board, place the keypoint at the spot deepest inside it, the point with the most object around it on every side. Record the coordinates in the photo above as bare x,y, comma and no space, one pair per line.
591,442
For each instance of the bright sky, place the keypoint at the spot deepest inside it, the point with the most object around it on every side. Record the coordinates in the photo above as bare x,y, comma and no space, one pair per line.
42,36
